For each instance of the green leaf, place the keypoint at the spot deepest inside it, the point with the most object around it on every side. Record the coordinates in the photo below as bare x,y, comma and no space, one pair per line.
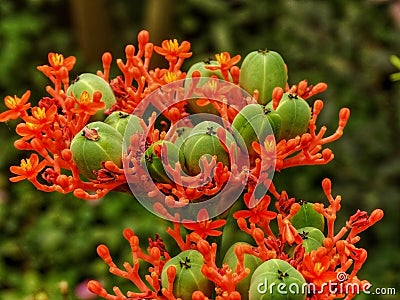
395,60
395,76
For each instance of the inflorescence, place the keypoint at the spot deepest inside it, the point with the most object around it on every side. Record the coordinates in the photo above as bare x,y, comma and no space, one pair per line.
47,130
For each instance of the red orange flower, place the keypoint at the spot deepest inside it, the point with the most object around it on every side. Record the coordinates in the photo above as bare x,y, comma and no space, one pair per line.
17,107
257,211
29,130
42,116
172,50
225,62
88,105
204,226
28,169
57,61
317,270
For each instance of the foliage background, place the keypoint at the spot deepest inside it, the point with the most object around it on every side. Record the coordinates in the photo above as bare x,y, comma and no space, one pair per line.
49,238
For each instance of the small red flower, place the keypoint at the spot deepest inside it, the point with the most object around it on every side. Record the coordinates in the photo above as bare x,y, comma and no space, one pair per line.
41,116
267,151
87,105
29,130
257,212
225,62
204,226
28,169
172,50
17,107
316,269
57,61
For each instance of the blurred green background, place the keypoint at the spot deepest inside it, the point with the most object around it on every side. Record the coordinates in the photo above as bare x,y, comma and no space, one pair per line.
49,238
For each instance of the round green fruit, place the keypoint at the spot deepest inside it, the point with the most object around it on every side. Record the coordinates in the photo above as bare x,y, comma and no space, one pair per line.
152,160
211,127
195,146
189,277
262,70
250,261
295,115
307,216
96,143
182,133
313,238
276,279
91,82
125,124
203,140
254,123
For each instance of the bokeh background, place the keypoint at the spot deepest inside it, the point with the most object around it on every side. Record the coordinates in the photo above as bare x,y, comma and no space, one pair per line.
48,239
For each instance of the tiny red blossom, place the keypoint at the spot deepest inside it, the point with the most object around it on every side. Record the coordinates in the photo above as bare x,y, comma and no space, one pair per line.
204,226
172,50
28,169
57,61
17,107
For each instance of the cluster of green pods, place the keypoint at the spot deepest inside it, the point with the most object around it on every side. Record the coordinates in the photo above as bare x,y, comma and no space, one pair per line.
100,141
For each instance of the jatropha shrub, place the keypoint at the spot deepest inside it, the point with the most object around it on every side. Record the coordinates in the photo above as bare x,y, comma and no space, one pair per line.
199,150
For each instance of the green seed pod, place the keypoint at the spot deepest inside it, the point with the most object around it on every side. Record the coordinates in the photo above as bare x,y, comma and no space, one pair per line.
210,127
262,70
91,82
295,115
312,237
250,261
277,279
189,277
308,217
195,146
97,142
203,140
274,120
152,160
183,133
125,124
254,123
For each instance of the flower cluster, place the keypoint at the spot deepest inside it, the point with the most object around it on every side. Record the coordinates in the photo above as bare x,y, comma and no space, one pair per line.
277,231
48,128
337,256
